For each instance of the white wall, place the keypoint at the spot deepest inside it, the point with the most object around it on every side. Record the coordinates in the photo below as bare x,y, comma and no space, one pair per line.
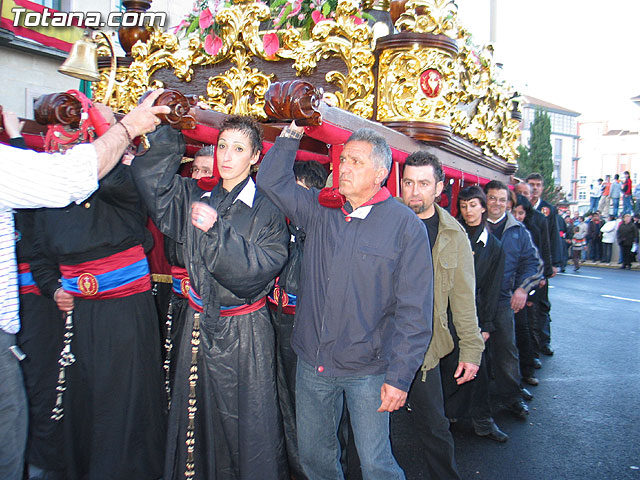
24,76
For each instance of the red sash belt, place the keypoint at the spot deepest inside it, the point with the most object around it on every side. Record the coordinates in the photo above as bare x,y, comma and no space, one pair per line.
243,309
180,281
196,303
119,275
25,280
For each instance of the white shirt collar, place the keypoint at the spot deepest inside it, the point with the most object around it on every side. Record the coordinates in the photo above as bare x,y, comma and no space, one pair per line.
484,237
247,194
361,212
537,203
498,220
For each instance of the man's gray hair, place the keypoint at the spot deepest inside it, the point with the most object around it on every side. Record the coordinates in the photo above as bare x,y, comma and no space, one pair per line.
380,150
206,151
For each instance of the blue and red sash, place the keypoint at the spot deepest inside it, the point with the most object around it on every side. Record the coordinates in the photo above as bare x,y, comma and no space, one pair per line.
25,280
196,303
180,281
288,300
119,275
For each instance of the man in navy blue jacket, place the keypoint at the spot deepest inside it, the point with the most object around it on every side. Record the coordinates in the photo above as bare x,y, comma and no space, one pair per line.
364,313
523,269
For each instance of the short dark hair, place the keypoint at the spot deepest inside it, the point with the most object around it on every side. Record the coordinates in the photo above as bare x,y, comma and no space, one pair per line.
600,180
495,185
422,158
616,177
205,151
312,173
380,150
469,193
626,172
247,125
535,176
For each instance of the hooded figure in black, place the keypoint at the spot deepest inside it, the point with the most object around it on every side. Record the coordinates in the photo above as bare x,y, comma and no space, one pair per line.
224,421
114,404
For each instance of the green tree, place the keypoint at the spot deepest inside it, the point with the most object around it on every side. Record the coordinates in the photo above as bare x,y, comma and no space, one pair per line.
537,157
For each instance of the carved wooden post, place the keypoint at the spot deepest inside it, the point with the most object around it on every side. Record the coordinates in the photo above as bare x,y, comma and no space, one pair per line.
128,36
416,72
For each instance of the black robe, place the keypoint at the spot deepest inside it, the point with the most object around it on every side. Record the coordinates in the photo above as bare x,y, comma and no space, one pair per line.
114,405
238,426
471,399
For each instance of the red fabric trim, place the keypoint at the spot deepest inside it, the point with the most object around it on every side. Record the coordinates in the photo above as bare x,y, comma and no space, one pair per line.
244,309
208,183
380,196
104,265
179,272
330,197
30,289
156,257
286,309
24,268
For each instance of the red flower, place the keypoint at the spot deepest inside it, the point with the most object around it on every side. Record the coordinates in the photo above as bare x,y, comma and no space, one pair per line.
271,44
212,44
206,19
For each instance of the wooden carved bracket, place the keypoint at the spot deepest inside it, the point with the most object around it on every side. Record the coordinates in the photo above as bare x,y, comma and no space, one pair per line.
179,104
294,100
58,108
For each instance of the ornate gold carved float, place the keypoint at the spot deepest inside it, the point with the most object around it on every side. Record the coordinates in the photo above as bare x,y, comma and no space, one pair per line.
428,81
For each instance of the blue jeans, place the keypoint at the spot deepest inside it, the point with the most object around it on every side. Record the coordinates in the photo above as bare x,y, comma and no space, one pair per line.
626,205
594,204
616,205
13,412
319,402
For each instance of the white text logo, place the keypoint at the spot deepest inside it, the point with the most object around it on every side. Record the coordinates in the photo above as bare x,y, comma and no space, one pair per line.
25,18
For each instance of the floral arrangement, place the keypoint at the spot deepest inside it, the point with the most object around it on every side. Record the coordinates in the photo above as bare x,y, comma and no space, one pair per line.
301,14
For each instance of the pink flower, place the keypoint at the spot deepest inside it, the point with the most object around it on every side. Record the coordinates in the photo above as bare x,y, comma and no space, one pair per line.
301,17
212,44
357,20
271,44
317,16
206,19
295,9
179,26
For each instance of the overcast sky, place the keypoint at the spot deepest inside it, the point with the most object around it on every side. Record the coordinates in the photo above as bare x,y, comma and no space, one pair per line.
583,55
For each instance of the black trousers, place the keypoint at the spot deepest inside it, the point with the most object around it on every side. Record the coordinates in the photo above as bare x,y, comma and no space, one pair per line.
431,425
524,340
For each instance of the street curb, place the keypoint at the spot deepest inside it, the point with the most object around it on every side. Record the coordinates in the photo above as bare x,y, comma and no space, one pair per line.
589,263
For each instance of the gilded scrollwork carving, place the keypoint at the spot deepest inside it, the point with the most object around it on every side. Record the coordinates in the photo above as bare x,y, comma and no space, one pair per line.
400,95
429,16
469,99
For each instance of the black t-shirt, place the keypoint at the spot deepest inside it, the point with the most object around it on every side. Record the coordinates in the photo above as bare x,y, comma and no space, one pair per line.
432,227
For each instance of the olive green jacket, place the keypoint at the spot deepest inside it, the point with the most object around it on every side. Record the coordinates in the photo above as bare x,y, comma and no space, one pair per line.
454,285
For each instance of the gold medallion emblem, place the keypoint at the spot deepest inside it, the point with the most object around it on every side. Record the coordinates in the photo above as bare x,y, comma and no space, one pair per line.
279,292
185,285
88,284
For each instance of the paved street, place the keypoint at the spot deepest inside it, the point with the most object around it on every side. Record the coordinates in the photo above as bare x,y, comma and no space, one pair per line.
585,417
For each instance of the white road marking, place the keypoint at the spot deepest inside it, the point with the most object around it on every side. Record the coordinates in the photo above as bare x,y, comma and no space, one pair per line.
580,276
621,298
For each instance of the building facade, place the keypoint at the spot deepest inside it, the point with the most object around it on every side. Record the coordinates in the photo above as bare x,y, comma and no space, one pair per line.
564,141
606,148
